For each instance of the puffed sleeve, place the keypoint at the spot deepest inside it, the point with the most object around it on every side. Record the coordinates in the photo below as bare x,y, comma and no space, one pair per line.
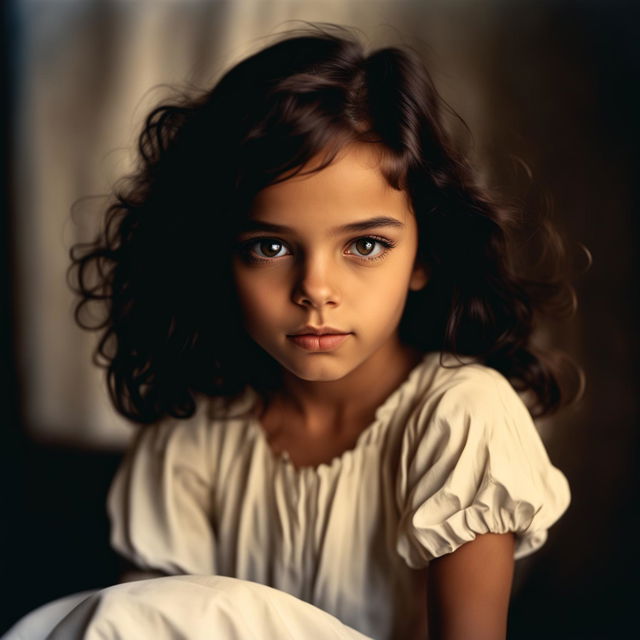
159,503
472,462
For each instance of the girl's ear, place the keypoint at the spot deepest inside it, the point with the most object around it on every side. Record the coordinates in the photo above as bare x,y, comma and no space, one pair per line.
419,276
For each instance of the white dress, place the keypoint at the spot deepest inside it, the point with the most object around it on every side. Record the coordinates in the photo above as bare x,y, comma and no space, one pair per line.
452,453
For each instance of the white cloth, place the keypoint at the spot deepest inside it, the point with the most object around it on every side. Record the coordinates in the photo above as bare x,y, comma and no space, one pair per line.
198,608
193,607
37,624
452,453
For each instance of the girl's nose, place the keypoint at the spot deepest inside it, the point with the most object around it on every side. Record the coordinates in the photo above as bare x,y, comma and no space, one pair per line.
315,285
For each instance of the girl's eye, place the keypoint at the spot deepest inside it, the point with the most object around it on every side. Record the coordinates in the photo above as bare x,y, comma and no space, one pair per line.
265,248
371,248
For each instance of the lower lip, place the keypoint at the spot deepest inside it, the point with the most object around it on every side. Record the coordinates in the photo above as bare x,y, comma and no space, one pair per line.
327,342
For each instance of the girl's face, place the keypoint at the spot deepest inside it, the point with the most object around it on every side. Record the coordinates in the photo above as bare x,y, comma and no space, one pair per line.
333,251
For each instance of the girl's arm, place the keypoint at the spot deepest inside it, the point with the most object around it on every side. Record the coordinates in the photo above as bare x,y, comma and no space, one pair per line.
468,590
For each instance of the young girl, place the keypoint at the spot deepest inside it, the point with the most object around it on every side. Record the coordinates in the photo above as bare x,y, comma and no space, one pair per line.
317,316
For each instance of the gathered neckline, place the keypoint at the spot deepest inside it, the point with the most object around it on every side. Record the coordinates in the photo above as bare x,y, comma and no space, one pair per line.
366,435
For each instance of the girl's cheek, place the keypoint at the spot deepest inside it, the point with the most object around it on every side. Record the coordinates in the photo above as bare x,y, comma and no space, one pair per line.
259,295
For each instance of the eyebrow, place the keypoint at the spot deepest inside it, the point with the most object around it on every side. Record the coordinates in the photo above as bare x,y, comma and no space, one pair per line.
352,227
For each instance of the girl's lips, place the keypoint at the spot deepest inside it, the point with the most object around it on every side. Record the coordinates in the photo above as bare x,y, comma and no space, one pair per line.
325,342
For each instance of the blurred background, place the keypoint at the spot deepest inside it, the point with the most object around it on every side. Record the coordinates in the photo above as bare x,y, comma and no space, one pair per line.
553,83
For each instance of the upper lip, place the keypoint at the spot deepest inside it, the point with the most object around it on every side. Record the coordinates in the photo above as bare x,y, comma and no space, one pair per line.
318,331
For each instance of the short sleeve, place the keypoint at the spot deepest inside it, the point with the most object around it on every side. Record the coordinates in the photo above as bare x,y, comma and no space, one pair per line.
159,503
472,462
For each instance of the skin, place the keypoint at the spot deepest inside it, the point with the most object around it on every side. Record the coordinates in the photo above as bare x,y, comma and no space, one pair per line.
309,272
469,589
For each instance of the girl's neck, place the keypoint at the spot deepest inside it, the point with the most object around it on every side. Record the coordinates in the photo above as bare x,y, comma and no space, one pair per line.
350,400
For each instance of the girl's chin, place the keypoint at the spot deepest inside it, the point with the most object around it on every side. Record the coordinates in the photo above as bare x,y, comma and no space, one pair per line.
317,368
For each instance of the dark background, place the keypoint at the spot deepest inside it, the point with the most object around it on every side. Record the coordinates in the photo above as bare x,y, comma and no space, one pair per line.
563,82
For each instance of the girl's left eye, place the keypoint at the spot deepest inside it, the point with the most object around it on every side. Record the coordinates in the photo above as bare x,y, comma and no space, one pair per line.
371,248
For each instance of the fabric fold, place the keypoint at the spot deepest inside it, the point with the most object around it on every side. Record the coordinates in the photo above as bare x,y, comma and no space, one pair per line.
159,502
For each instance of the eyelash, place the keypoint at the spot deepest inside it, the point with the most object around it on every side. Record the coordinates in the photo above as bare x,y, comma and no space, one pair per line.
246,248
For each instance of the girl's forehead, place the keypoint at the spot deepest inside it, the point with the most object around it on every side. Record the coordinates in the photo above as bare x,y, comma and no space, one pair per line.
352,186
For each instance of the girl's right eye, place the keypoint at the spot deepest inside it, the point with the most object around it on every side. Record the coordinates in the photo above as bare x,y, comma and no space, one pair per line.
264,249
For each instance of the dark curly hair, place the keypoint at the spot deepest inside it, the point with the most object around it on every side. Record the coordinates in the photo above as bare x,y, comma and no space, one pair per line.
160,269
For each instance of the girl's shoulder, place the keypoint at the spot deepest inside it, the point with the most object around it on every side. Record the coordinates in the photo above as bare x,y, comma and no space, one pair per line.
472,462
442,374
195,432
461,392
